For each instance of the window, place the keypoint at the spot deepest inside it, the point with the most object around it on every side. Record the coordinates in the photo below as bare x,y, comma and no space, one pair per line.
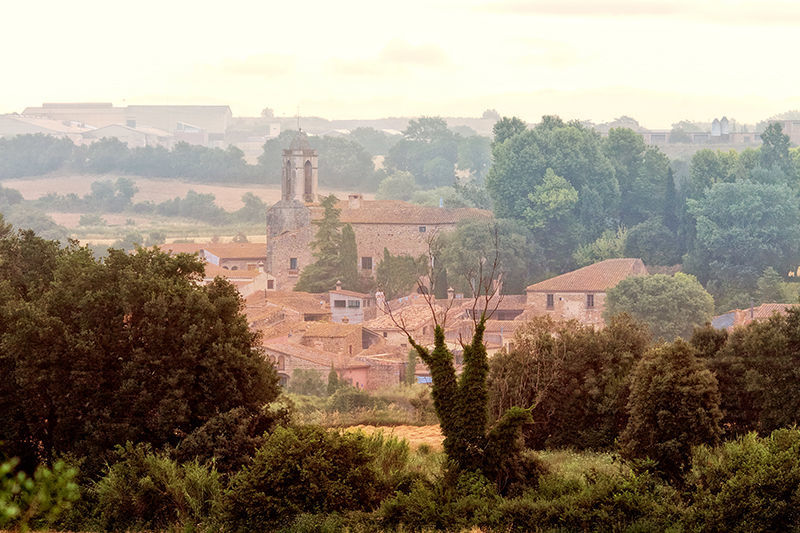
384,334
270,284
366,263
422,229
354,304
590,300
292,263
340,303
550,301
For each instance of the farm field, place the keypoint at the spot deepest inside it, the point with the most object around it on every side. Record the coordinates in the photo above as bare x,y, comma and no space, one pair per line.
228,196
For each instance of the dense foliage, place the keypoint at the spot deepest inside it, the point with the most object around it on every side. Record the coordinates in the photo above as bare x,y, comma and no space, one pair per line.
672,306
673,405
574,379
128,348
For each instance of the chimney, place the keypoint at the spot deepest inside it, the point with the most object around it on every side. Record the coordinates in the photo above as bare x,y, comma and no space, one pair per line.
451,293
338,285
354,200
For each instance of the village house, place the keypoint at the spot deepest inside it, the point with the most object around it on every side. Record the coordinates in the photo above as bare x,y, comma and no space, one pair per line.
399,227
580,294
332,337
228,256
349,307
741,317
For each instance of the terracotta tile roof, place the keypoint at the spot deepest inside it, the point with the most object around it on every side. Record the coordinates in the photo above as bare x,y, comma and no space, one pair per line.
396,212
597,277
286,328
283,346
302,302
354,294
182,247
414,317
330,329
320,357
237,250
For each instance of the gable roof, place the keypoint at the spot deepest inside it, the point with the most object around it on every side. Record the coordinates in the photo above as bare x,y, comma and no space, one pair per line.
598,277
330,329
397,212
353,294
302,302
237,250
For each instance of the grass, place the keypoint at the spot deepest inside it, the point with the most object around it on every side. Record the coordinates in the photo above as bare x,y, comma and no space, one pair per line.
576,465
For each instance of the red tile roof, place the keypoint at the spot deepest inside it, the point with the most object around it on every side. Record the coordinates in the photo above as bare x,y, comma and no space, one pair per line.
182,247
302,302
237,250
223,250
598,277
354,294
396,212
330,329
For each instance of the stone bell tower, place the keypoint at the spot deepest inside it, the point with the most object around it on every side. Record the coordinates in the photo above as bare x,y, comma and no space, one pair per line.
299,175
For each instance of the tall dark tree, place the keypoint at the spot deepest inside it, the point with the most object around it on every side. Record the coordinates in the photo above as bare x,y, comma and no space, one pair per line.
348,258
775,150
670,215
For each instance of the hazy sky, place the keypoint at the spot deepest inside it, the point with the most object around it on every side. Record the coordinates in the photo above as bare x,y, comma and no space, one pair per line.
659,61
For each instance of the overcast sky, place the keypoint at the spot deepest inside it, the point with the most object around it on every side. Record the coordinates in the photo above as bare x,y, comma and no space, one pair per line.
659,61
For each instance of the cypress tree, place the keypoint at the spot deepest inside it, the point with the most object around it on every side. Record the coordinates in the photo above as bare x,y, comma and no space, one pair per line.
348,259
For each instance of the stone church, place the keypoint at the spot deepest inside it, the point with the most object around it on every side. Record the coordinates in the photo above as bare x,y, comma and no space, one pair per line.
400,227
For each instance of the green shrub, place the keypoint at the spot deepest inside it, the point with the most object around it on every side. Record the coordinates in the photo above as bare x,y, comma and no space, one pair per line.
603,503
750,484
229,439
348,399
444,505
148,490
303,470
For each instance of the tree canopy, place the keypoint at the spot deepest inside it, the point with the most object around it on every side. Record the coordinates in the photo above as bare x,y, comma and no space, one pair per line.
125,348
670,305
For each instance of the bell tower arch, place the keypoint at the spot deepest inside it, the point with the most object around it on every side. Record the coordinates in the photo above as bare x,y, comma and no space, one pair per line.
300,171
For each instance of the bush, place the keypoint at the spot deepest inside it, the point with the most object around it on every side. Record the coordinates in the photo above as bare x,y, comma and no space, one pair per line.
445,505
303,470
674,405
230,439
348,399
603,503
147,490
750,484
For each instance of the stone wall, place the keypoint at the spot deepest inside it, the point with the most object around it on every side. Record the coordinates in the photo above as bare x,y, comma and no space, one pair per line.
568,305
282,248
399,239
